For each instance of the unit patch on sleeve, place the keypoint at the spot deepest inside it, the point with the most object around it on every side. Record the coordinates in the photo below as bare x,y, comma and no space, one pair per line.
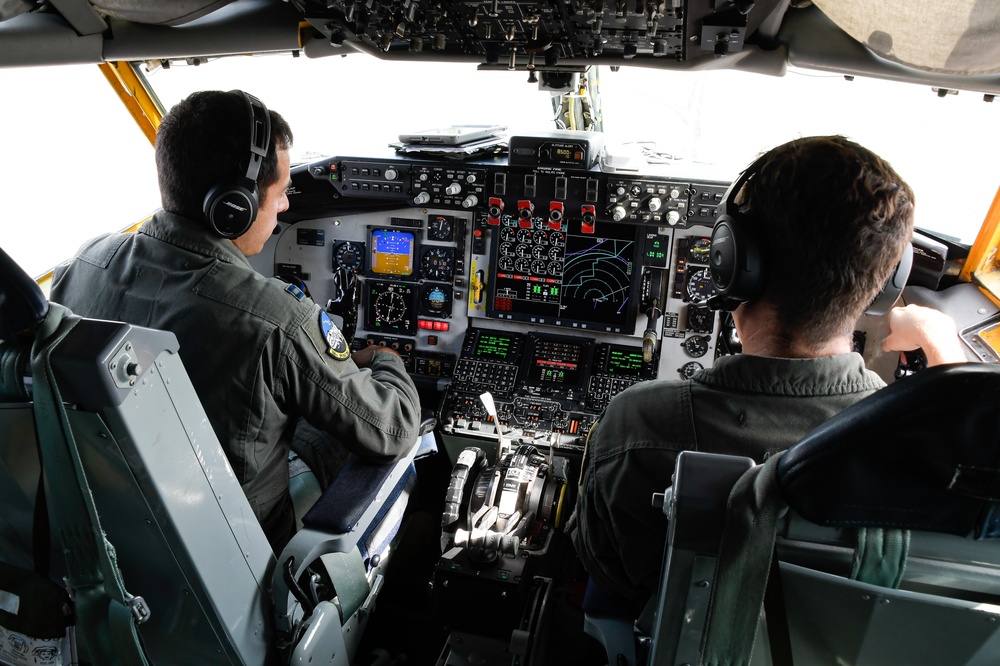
336,345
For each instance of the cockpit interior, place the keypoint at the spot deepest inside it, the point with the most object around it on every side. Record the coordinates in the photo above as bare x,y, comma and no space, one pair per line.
526,279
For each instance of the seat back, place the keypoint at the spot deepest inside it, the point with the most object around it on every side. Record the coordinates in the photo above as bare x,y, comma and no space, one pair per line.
921,457
186,541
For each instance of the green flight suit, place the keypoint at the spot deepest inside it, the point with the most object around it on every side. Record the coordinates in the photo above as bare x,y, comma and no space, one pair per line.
259,352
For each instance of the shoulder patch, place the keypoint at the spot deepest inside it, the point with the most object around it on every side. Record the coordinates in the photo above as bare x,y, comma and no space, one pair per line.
296,292
336,344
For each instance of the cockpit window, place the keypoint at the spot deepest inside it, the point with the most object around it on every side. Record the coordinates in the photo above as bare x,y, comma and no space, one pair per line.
82,167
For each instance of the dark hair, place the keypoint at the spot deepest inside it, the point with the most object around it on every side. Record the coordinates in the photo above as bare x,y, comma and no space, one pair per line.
205,140
836,218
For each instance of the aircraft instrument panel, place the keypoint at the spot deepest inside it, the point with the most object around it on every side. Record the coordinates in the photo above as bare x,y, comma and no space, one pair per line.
553,287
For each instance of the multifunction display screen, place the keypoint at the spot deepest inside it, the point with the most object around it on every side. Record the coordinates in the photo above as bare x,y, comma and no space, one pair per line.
393,252
565,277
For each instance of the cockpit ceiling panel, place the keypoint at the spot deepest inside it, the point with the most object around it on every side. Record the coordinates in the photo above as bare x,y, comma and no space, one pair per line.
957,37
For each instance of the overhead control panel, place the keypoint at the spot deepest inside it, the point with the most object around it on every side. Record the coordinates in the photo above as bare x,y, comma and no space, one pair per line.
545,35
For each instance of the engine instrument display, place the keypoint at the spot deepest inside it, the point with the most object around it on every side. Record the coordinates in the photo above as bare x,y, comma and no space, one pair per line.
393,252
566,277
558,361
390,307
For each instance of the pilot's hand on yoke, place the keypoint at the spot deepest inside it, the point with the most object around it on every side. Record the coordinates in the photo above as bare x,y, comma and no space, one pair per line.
918,327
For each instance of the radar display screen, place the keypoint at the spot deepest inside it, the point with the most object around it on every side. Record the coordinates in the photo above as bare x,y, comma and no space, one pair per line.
393,252
565,277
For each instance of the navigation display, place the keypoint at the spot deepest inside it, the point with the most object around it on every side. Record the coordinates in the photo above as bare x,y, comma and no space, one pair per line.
565,277
392,252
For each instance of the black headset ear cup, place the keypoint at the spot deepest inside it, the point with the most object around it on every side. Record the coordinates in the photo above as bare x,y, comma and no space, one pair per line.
735,259
894,285
230,209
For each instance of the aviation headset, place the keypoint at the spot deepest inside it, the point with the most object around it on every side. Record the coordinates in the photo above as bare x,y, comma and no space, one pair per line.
231,207
736,262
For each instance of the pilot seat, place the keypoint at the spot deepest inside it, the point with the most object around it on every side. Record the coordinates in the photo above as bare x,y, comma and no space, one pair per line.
871,541
150,530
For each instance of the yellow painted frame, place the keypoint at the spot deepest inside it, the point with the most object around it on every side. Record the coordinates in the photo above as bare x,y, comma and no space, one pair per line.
983,265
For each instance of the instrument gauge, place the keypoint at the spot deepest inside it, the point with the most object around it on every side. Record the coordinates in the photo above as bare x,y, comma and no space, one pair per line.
555,254
700,286
506,264
538,252
538,267
435,301
540,237
438,263
557,238
699,251
696,346
523,251
390,307
524,235
522,265
506,249
440,227
507,235
688,370
555,268
350,256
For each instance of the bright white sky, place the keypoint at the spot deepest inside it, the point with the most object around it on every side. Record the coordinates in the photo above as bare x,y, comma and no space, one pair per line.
76,165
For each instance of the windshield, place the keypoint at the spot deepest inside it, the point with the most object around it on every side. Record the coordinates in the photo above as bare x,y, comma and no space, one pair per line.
91,171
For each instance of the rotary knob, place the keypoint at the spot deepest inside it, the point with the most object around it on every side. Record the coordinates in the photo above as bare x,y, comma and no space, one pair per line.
470,201
655,203
673,217
618,213
391,174
423,198
453,189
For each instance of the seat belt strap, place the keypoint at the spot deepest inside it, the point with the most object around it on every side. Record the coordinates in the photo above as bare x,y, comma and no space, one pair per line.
880,556
741,571
107,614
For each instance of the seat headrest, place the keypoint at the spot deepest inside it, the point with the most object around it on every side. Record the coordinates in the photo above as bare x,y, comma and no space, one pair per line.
922,454
23,306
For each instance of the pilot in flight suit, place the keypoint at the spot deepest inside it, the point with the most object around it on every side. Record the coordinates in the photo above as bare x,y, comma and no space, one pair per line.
260,354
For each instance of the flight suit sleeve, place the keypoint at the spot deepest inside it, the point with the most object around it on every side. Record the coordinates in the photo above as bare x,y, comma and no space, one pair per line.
373,412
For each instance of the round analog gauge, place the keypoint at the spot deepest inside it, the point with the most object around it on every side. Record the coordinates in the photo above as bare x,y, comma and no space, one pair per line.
508,220
507,234
538,252
699,251
555,253
435,300
524,235
557,238
390,307
540,237
555,268
523,251
699,286
689,369
522,265
349,255
438,263
696,346
506,249
538,267
439,227
506,264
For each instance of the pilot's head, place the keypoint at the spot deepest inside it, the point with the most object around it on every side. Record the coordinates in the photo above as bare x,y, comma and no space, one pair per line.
836,219
203,141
